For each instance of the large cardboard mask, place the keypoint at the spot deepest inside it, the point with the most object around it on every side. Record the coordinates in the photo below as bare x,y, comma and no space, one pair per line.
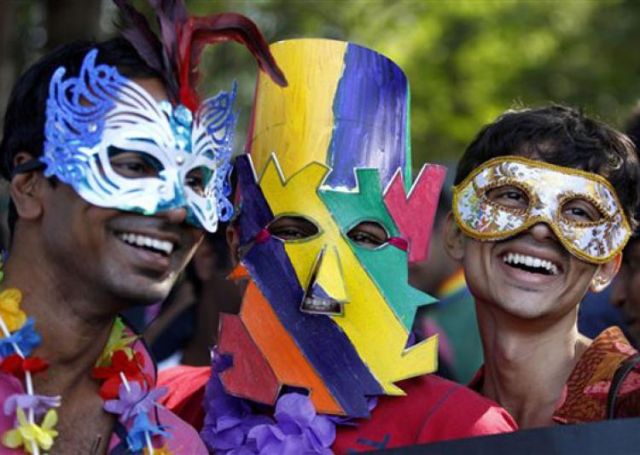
326,312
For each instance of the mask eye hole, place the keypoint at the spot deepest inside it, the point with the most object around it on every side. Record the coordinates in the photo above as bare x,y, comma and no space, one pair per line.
581,210
198,179
133,164
291,227
509,196
369,234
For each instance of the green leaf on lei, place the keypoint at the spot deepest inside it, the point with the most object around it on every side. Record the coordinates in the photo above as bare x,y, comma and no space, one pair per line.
118,340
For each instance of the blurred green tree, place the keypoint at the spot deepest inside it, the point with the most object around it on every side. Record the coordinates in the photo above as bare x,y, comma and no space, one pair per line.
467,60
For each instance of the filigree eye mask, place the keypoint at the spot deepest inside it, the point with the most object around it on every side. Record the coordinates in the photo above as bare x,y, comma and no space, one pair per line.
119,148
509,194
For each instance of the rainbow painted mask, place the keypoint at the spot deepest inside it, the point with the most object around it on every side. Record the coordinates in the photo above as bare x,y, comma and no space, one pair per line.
325,312
101,122
509,194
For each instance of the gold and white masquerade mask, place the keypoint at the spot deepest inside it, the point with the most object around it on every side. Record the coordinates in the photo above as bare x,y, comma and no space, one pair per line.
509,194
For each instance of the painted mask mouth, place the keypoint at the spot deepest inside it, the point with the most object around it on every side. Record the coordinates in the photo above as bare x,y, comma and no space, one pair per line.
319,299
318,305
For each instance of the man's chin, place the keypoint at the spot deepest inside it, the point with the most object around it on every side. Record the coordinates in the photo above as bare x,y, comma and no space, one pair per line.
132,294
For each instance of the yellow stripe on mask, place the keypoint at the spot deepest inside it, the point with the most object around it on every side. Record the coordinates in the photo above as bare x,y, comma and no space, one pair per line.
369,322
296,122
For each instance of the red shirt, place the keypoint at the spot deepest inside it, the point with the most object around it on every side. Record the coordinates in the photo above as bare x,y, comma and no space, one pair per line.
434,409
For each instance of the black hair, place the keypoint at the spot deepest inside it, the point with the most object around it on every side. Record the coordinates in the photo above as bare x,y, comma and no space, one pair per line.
25,116
563,136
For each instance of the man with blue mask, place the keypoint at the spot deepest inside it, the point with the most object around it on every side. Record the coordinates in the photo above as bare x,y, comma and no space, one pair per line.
116,170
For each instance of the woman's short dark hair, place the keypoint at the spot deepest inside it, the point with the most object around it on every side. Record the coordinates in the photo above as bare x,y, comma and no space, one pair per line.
563,136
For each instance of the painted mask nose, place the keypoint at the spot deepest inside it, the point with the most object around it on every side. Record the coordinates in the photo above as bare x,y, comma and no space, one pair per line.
326,293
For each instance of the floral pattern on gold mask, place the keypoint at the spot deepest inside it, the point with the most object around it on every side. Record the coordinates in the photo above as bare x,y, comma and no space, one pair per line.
547,189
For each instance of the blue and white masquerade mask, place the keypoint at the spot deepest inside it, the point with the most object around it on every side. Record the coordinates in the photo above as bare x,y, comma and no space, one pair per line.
117,147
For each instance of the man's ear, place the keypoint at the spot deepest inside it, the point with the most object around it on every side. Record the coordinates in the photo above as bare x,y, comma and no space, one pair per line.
24,189
454,239
233,240
605,274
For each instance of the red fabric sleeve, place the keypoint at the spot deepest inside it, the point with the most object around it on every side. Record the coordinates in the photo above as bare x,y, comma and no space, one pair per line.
185,394
434,409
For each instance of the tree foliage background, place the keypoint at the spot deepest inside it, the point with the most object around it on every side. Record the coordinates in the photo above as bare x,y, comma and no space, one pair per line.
467,60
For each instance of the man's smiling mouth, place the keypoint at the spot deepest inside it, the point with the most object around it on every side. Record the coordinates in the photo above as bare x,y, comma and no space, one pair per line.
155,245
531,264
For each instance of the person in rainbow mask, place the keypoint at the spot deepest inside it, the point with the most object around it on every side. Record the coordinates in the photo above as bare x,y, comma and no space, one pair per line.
327,220
116,169
543,207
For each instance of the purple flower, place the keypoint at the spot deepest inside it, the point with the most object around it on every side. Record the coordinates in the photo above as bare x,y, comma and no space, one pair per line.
134,401
232,428
136,439
39,403
228,419
26,338
299,429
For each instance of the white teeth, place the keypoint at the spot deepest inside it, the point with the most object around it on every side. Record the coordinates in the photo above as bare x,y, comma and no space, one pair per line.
148,242
530,261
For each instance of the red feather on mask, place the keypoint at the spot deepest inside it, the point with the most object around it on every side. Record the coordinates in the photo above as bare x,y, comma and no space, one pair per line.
177,54
197,32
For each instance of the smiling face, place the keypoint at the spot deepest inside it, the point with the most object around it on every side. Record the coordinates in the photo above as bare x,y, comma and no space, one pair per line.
129,256
497,274
532,236
132,258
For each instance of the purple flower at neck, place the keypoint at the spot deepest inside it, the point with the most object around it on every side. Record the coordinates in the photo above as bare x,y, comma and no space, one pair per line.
134,401
232,428
39,403
26,338
228,419
298,429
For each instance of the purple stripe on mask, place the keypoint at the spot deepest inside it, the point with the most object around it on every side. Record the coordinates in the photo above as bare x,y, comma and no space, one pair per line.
370,109
324,345
255,213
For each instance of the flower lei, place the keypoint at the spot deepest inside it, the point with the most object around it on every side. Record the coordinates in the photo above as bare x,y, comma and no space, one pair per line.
233,427
126,393
124,385
19,339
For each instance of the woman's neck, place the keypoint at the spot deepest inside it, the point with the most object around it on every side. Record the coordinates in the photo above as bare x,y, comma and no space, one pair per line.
527,363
